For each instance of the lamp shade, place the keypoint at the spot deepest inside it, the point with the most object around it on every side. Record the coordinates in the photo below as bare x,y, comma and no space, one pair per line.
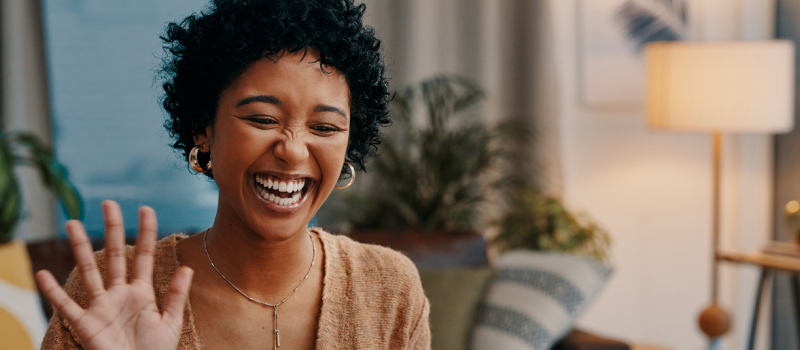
732,87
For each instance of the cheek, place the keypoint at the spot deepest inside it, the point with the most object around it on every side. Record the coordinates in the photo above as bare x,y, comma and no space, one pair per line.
233,151
331,155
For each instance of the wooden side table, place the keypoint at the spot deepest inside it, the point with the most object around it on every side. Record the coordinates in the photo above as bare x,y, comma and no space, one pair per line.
769,263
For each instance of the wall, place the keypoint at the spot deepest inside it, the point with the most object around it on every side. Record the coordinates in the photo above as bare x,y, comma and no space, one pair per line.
652,191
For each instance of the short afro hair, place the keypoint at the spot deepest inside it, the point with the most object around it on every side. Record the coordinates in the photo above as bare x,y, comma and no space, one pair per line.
205,52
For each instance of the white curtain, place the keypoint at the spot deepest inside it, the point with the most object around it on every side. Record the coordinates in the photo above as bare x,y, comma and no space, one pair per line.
499,44
25,105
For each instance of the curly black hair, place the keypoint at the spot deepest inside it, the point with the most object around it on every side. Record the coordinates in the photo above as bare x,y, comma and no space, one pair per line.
205,52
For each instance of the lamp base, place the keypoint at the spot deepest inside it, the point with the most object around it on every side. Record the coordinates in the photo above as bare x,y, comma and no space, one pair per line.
714,321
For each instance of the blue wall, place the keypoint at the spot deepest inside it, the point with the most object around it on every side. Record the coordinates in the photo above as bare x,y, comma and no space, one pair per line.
107,123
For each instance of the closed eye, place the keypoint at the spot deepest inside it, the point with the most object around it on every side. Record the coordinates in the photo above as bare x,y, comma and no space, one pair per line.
325,129
260,120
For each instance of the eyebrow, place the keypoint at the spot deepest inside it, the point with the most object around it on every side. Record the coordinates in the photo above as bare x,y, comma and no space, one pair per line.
326,108
260,98
276,101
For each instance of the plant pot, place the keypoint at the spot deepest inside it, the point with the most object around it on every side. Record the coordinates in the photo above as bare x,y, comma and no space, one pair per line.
22,322
430,249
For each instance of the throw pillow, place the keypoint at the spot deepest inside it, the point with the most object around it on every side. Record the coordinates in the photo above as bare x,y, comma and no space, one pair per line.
22,323
535,299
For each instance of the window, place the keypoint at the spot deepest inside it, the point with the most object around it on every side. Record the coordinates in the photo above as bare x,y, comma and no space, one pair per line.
102,57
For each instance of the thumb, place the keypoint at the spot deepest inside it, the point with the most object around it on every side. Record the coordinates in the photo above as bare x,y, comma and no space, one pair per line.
177,292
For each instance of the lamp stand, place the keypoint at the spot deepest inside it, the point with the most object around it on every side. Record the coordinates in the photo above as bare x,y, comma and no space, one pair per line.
714,321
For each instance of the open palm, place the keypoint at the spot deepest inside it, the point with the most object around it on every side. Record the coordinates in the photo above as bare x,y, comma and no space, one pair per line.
124,315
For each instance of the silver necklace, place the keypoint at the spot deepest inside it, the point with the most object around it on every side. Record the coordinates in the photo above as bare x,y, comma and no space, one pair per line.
276,334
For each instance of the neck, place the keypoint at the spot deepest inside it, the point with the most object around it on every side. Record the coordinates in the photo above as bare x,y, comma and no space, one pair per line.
263,268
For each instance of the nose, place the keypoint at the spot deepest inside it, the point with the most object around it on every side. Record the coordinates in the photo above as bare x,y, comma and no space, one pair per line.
291,149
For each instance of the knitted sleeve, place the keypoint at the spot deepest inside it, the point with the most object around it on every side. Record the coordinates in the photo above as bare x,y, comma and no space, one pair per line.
421,336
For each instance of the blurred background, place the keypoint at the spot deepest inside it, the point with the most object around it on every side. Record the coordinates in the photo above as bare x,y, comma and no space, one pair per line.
81,74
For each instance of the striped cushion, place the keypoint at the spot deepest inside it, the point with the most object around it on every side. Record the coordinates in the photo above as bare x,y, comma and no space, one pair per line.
535,299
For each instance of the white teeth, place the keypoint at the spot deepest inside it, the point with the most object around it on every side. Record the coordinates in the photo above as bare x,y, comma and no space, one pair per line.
278,200
290,186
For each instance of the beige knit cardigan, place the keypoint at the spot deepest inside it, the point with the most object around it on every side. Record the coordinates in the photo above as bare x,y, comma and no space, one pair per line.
372,298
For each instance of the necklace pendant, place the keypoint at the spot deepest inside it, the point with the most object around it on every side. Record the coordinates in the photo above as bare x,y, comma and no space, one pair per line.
278,337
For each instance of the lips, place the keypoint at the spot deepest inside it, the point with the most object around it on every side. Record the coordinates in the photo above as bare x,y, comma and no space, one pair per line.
281,192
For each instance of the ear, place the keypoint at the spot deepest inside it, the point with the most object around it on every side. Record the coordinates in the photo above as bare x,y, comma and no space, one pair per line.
204,139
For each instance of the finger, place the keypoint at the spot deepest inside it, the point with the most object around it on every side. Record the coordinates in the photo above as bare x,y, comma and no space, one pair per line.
115,243
145,246
177,292
84,256
58,297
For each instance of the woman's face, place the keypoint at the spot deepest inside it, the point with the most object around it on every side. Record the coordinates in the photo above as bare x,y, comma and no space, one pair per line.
278,142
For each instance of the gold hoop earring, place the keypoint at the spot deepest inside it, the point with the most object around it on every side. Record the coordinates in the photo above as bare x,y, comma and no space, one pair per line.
352,178
196,164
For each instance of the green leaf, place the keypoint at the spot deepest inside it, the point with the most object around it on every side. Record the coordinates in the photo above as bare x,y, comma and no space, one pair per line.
53,174
539,222
9,191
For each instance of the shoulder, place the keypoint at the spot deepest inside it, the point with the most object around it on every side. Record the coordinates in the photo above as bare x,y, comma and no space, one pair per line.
378,289
368,262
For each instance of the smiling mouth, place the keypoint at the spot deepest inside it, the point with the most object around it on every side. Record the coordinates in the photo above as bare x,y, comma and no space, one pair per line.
281,192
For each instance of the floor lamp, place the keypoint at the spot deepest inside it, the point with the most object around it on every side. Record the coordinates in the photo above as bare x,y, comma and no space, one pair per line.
720,87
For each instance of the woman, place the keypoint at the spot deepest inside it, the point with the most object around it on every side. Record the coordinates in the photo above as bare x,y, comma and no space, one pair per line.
273,99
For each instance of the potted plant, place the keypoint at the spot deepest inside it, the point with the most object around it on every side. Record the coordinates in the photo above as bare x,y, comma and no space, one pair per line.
537,222
52,174
428,191
18,291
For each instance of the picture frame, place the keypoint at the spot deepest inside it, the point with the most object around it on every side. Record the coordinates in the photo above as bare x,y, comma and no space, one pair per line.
611,38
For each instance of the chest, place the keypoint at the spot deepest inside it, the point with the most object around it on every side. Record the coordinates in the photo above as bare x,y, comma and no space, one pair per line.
230,321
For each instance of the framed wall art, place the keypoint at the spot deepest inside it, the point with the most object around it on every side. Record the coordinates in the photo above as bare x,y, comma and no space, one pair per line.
611,37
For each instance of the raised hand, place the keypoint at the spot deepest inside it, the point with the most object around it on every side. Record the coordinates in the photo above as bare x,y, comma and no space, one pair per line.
125,315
